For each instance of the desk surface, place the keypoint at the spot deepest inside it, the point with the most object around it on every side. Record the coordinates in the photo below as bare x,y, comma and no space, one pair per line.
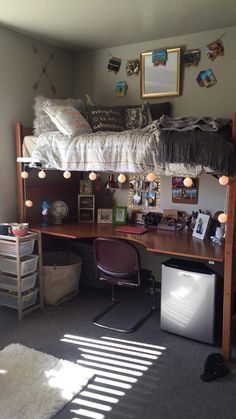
164,242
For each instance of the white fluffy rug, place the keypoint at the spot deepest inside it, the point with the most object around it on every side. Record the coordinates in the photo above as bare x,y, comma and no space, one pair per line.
34,385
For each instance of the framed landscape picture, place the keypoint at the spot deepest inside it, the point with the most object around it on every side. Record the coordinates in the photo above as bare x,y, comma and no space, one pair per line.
104,215
182,194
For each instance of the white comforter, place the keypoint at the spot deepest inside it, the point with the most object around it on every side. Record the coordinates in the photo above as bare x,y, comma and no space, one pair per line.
133,151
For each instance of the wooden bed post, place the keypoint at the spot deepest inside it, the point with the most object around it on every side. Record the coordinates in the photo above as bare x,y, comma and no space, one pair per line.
229,263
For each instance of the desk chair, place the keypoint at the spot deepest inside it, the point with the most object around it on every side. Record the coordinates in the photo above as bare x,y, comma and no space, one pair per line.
119,264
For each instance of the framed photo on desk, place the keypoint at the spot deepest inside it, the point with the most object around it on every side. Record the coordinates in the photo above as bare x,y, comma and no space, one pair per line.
201,226
104,216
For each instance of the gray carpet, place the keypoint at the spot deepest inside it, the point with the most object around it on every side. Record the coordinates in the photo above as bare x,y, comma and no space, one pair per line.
166,386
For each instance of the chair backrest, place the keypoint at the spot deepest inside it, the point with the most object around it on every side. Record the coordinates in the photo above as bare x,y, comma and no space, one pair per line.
116,257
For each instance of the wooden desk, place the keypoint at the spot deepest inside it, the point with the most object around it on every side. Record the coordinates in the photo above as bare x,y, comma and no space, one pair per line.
162,242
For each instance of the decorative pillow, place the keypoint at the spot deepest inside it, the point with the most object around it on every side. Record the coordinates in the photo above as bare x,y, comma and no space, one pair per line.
42,122
67,120
137,117
159,109
106,118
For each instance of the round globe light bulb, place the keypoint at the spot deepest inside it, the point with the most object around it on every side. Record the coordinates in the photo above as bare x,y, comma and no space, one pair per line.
151,177
28,203
41,174
92,176
223,180
222,218
24,174
121,178
188,182
67,174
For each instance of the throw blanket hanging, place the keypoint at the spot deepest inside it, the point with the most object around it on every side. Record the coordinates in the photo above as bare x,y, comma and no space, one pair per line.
190,123
197,147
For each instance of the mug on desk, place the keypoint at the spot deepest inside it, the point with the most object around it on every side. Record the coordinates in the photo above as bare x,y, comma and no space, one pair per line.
4,229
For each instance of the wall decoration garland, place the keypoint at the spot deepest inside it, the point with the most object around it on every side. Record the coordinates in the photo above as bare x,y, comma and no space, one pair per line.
215,49
132,67
159,58
43,69
121,88
114,64
191,57
206,78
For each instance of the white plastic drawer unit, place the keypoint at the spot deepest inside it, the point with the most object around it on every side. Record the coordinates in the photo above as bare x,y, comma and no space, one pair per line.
188,301
9,248
8,282
28,264
11,300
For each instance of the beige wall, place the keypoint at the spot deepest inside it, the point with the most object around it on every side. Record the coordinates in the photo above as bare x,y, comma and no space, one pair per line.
19,70
219,100
93,78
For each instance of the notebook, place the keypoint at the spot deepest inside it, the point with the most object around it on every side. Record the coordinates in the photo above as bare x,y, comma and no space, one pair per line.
131,229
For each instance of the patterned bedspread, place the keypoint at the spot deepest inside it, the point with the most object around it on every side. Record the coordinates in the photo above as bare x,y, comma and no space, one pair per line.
133,151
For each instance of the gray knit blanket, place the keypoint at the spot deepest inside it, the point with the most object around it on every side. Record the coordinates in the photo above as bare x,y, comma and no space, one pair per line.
196,141
190,123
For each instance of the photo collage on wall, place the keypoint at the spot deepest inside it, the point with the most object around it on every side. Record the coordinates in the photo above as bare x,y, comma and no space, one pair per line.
144,195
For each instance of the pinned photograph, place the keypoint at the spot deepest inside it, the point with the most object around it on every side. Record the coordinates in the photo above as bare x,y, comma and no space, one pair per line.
132,67
215,49
150,199
114,64
206,78
121,88
191,57
159,58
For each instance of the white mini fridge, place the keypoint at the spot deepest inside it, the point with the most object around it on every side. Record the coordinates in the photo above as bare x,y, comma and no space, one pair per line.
188,300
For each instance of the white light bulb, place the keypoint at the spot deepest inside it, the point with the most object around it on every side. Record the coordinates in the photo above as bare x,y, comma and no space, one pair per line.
223,180
222,218
121,178
28,203
92,176
188,182
67,174
24,174
151,177
41,174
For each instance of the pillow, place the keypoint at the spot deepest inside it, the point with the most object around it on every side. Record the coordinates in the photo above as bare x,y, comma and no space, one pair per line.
67,120
159,109
42,122
106,118
137,117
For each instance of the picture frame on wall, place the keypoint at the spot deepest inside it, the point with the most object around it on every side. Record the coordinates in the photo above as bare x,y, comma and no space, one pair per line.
182,194
201,226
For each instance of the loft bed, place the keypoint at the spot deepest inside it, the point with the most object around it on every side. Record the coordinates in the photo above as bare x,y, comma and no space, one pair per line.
71,190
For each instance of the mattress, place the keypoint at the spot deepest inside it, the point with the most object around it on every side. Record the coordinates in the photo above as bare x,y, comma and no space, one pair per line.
28,146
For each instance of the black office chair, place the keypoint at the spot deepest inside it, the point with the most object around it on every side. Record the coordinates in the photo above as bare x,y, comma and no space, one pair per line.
119,264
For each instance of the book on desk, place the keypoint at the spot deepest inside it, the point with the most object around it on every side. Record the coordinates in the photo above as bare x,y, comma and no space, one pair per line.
131,229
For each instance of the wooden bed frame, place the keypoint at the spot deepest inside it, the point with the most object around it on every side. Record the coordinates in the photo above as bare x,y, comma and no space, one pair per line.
57,188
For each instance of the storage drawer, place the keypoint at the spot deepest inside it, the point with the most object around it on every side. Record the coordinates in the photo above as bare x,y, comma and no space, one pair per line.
11,300
8,282
28,264
8,248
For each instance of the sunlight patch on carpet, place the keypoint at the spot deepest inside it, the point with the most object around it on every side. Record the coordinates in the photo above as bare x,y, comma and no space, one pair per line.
36,385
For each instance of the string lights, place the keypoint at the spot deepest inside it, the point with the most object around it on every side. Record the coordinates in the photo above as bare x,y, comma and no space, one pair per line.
42,174
121,178
151,177
223,180
188,182
92,176
67,174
